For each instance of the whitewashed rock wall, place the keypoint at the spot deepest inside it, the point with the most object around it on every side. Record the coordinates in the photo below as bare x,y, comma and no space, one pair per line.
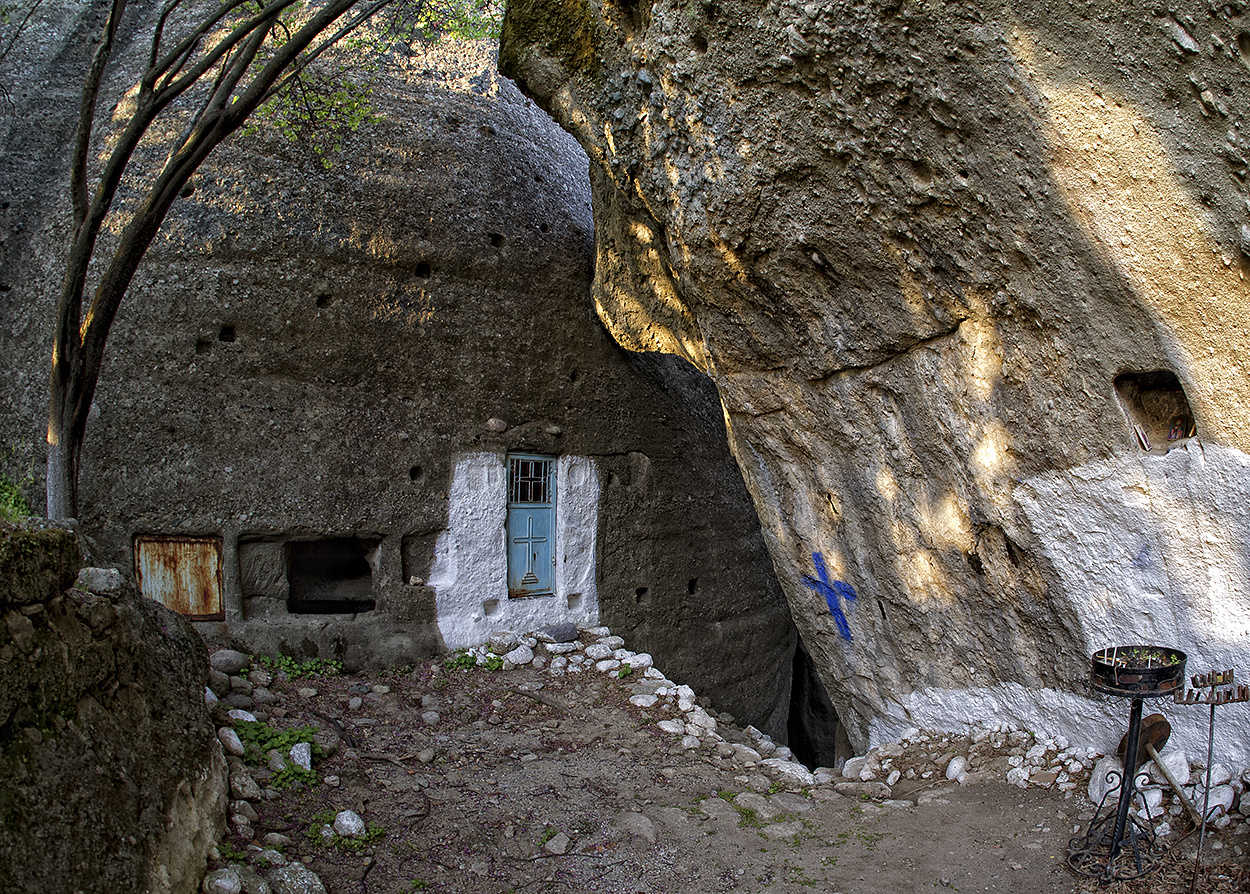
470,571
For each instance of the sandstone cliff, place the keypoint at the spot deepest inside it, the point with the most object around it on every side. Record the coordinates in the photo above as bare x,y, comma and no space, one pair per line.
970,279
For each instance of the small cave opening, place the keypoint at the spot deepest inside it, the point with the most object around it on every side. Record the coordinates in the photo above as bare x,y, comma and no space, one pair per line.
1157,409
815,733
330,576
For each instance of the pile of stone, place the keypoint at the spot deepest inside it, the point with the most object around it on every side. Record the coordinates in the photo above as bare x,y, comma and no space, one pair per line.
1158,803
564,649
233,689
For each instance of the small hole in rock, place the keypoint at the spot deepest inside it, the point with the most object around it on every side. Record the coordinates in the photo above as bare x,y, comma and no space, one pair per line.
975,563
1157,409
699,42
203,345
226,333
640,594
574,600
323,300
692,585
490,607
496,240
414,473
1243,46
423,270
542,228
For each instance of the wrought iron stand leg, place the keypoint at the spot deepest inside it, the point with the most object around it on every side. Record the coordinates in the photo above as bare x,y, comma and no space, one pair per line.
1126,789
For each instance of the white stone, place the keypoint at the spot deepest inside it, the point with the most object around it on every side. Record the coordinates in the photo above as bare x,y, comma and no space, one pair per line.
238,714
1018,776
562,648
640,661
301,755
622,655
1099,785
222,881
598,652
853,767
210,697
958,765
643,701
348,824
894,777
613,642
789,771
1221,797
700,717
608,664
676,727
688,742
558,844
1151,798
230,741
522,654
747,753
1177,764
295,878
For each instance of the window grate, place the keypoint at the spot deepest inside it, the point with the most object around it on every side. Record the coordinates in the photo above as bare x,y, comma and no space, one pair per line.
529,480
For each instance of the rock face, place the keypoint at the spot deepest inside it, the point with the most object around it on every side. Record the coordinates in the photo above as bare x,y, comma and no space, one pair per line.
970,279
113,778
309,356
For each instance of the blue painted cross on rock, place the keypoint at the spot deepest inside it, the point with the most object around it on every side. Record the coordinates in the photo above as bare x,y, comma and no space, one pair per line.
833,591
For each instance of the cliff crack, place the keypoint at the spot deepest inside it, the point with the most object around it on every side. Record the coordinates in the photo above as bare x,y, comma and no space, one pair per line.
902,352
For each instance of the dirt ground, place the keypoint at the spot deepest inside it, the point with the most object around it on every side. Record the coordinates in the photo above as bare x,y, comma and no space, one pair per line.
531,783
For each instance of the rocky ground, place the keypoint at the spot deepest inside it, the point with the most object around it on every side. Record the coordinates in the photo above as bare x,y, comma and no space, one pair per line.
550,769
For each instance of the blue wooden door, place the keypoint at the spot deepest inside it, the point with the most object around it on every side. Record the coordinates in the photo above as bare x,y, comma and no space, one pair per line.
531,525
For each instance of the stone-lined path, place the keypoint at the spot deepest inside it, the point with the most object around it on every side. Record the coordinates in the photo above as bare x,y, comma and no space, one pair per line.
560,771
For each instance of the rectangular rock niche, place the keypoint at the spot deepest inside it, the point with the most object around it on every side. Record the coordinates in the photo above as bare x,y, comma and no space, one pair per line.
1156,408
331,576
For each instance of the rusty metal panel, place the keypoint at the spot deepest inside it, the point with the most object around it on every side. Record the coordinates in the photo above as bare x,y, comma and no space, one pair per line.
182,573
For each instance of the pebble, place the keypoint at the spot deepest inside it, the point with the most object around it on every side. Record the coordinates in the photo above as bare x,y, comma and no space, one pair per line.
348,824
301,755
222,881
229,662
230,741
295,878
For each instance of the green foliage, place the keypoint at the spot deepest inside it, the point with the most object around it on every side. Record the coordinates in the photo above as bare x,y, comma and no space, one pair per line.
465,660
312,667
231,854
333,97
624,672
462,660
417,884
13,505
326,818
259,738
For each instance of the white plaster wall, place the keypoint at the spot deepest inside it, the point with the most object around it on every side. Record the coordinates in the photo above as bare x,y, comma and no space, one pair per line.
1148,549
470,571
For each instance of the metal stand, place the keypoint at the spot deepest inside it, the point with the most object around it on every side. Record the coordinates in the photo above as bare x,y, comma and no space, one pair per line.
1115,846
1221,691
